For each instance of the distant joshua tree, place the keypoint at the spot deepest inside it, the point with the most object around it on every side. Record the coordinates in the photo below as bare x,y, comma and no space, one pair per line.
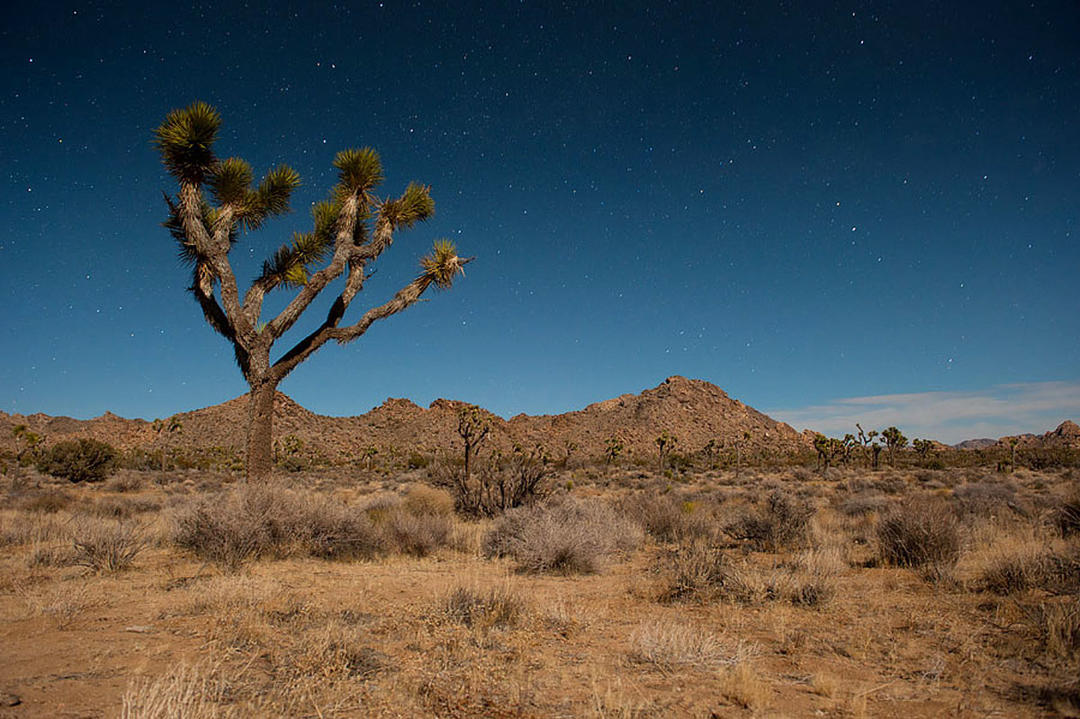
870,446
473,427
613,447
894,440
351,229
923,447
828,449
664,443
26,442
738,451
165,428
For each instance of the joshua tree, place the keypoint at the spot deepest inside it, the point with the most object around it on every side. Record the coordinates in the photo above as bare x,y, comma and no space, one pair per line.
738,452
164,428
665,442
923,447
473,426
894,440
351,229
870,446
26,442
368,454
830,448
571,447
613,447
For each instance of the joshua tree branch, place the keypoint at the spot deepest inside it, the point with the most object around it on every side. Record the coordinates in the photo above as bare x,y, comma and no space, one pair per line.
346,227
213,250
405,297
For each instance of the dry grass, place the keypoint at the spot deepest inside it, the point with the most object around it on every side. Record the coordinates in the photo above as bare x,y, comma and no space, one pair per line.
184,692
565,537
496,608
782,521
672,645
104,546
922,533
741,685
817,627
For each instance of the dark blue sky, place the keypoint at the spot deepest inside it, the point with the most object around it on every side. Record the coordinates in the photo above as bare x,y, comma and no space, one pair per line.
798,202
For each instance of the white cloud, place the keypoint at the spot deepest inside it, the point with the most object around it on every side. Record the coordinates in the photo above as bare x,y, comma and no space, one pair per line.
947,416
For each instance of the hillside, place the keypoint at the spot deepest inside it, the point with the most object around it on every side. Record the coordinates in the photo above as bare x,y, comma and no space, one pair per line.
694,411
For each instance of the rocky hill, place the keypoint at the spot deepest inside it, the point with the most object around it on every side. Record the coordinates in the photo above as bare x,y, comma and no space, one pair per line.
694,411
1065,436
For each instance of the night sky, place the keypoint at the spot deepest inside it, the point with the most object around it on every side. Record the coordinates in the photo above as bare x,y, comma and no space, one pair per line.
833,211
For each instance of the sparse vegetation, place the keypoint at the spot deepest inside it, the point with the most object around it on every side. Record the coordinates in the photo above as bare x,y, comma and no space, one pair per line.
354,585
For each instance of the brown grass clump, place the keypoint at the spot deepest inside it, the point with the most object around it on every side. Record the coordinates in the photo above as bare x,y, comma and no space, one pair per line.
693,571
673,645
781,522
919,534
811,582
49,502
261,521
1067,515
667,518
184,691
423,500
566,537
104,546
494,608
742,686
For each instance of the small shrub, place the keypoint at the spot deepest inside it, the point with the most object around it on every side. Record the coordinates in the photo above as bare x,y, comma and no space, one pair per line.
667,518
670,645
917,534
125,482
782,522
986,498
422,500
697,570
1067,515
417,535
863,504
81,460
495,608
122,507
567,537
47,503
106,547
269,521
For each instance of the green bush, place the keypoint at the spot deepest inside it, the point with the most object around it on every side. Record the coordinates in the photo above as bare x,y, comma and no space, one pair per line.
81,460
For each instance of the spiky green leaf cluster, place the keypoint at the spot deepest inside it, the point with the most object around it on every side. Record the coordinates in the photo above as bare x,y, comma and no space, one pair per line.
272,196
414,205
230,183
442,264
186,141
290,265
359,171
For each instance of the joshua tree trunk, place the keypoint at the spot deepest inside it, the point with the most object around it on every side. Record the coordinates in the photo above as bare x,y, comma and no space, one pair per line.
260,454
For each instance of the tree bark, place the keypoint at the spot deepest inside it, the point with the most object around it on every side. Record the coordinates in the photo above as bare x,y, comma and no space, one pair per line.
260,454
